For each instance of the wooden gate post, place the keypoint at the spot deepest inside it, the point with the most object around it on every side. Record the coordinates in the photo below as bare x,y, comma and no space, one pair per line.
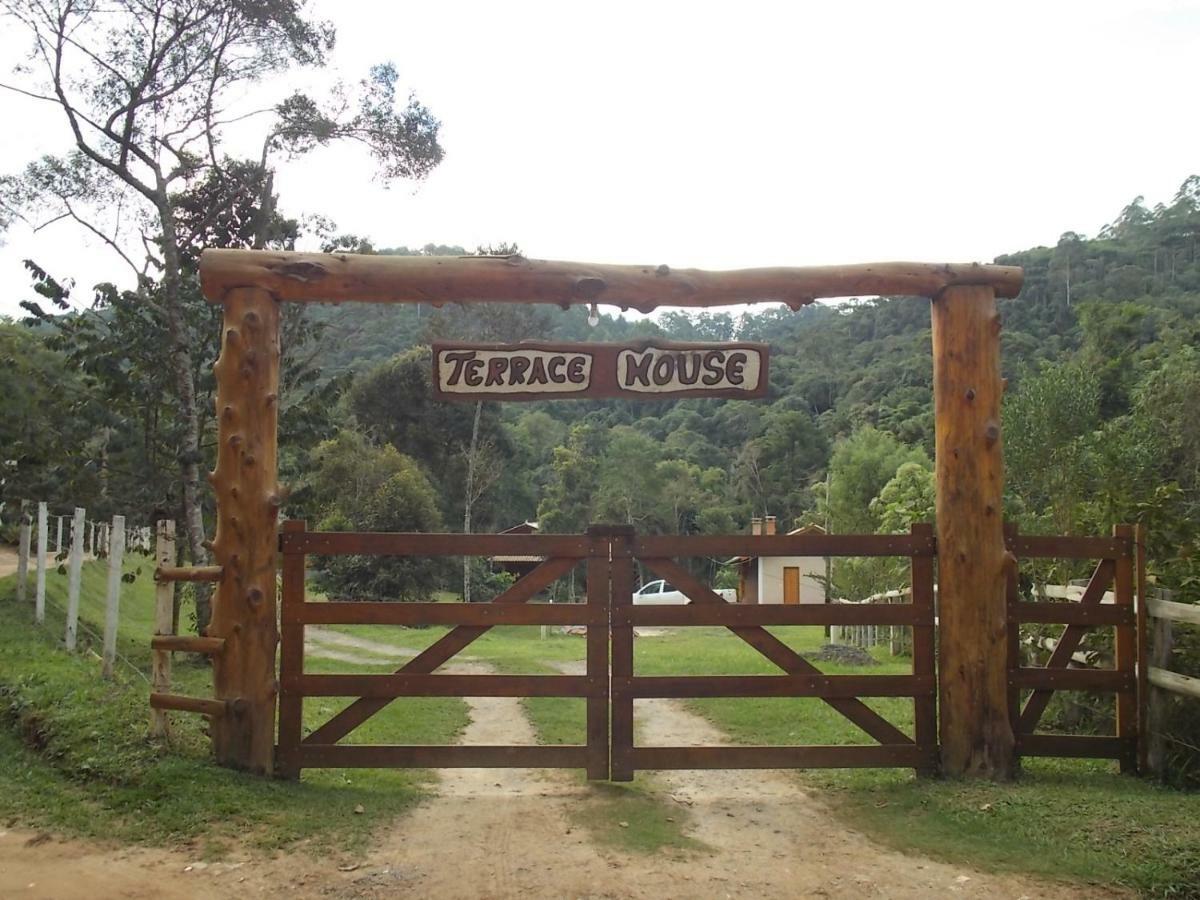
245,544
976,735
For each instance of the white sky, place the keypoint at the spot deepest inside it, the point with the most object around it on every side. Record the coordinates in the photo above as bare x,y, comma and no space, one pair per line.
724,135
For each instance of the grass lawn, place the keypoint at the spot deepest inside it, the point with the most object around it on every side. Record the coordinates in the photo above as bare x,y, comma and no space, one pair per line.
78,758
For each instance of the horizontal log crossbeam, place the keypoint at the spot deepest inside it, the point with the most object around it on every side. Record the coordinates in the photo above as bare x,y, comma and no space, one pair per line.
318,277
180,703
187,644
188,573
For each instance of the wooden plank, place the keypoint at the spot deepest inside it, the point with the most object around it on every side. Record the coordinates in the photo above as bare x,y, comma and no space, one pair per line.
1048,546
621,599
1012,591
74,576
372,756
924,655
1056,679
112,595
440,651
24,539
1125,647
598,593
1174,682
164,619
1188,613
291,657
1156,716
778,614
485,614
1071,637
341,543
1069,614
172,643
1073,746
407,685
323,277
1143,652
648,369
776,685
814,757
43,540
672,546
214,708
777,651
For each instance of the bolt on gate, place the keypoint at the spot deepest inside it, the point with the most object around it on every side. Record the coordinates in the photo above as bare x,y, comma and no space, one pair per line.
610,554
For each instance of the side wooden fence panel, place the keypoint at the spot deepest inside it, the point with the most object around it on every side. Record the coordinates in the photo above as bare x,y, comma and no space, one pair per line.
1117,573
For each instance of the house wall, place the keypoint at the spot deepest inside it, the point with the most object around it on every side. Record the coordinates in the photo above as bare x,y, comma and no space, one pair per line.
770,578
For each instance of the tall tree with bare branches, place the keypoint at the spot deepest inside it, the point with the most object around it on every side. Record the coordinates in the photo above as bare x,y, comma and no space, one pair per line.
148,89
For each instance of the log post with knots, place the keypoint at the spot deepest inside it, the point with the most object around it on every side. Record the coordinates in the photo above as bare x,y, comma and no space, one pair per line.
245,543
975,731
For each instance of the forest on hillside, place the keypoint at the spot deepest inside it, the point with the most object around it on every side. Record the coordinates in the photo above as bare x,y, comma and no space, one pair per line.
1100,353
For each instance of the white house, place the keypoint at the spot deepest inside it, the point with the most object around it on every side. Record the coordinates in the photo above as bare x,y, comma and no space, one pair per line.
780,579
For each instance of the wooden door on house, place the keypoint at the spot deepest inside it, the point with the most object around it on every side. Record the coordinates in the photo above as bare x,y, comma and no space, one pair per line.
791,584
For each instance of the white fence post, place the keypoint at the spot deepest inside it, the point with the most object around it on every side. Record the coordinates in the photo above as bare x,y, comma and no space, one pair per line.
164,619
43,534
112,601
58,539
23,559
74,574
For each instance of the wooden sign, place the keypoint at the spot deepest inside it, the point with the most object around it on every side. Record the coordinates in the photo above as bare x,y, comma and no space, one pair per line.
645,370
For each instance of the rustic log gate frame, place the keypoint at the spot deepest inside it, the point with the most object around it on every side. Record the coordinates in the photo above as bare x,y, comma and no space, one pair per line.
975,730
610,553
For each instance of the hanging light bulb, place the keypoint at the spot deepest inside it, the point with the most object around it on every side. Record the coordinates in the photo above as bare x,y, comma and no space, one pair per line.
594,316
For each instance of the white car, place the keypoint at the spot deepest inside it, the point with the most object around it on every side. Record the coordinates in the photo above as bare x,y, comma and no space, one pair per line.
660,593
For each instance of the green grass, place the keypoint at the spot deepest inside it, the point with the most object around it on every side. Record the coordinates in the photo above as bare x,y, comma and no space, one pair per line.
78,758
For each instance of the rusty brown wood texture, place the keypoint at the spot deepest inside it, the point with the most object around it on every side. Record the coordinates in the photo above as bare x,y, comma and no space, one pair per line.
1119,567
324,278
468,372
610,688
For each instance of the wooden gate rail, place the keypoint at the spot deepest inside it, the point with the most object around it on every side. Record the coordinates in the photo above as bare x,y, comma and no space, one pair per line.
416,677
1118,559
800,679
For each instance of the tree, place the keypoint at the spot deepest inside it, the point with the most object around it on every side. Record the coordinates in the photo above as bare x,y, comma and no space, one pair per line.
146,88
1049,425
358,485
860,467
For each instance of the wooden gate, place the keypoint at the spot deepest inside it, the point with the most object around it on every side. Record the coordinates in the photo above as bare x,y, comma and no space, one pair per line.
416,678
1106,601
799,677
609,553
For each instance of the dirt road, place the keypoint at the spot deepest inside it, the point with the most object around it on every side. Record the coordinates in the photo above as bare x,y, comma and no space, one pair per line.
509,834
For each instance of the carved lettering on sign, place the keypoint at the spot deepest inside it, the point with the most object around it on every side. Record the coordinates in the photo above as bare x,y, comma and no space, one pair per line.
646,370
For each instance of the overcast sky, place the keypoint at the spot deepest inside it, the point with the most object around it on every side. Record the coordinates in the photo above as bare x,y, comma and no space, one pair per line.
724,135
